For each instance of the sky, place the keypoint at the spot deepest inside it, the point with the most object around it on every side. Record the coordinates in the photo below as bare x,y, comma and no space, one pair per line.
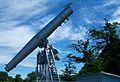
20,20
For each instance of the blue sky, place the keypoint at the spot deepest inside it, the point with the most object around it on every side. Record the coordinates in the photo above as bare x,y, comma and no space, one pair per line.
20,20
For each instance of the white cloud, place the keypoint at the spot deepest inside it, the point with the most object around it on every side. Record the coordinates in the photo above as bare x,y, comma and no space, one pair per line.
16,37
87,20
116,15
92,14
111,2
22,9
12,40
39,24
68,31
8,24
4,58
6,54
28,62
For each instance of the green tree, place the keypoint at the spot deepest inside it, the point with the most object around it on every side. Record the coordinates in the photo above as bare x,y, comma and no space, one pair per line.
10,79
30,77
3,76
92,61
18,78
108,41
104,55
70,70
26,80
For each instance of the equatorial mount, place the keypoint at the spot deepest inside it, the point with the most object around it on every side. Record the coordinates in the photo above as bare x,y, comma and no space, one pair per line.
46,69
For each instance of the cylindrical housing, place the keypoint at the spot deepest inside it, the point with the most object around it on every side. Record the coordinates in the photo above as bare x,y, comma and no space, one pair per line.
39,38
42,59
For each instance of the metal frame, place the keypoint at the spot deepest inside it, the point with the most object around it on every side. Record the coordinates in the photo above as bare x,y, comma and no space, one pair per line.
46,68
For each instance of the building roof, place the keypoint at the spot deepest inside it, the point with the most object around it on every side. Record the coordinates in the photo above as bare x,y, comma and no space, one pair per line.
100,73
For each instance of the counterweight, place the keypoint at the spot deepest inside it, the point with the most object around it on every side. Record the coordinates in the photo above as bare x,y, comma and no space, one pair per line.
39,38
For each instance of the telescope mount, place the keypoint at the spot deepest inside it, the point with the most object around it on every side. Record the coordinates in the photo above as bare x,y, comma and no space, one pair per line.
46,68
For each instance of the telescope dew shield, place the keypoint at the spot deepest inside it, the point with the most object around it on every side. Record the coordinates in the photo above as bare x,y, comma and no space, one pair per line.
39,38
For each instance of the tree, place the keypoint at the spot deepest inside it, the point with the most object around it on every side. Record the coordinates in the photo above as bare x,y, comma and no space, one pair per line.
108,41
69,71
3,76
18,78
92,61
30,77
104,55
10,79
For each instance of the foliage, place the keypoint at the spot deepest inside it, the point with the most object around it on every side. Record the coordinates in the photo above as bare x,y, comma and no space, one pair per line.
18,78
69,71
10,79
92,61
3,76
104,55
30,77
108,41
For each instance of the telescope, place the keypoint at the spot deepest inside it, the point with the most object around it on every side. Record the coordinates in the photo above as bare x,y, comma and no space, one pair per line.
39,38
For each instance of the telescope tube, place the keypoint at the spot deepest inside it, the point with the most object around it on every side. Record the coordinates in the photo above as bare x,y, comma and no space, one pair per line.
39,38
